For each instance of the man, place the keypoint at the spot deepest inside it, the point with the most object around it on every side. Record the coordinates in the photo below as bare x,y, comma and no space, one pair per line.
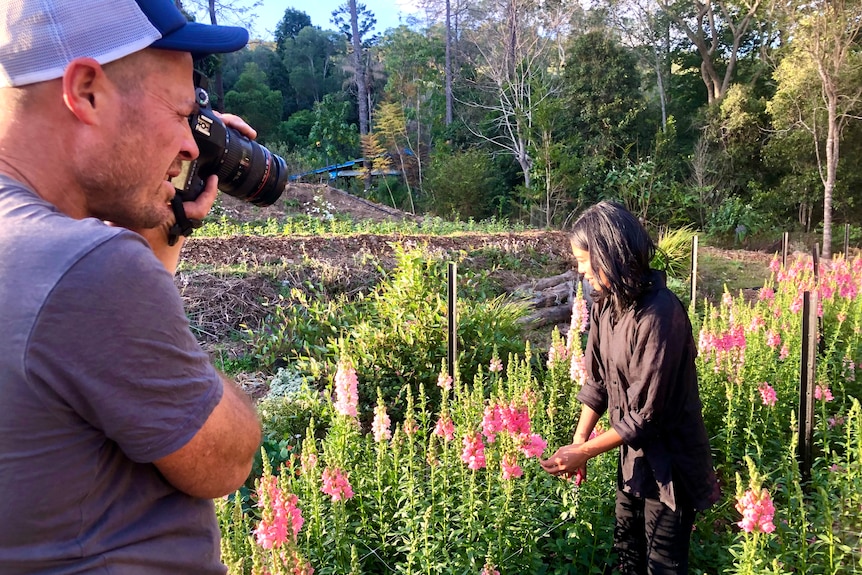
115,430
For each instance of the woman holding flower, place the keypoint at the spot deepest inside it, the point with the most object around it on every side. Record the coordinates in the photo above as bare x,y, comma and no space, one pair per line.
640,361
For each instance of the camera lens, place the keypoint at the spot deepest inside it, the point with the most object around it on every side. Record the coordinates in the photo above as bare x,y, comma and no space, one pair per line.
250,172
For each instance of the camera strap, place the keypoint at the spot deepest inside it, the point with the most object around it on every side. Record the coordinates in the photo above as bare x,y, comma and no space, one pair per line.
184,225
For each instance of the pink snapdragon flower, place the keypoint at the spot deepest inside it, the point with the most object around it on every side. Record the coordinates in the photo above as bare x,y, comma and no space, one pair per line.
516,420
489,569
473,453
281,518
766,294
767,394
346,394
510,467
578,369
382,425
849,369
757,511
773,340
580,319
532,445
336,485
445,428
492,422
823,393
782,355
496,365
444,381
775,265
557,352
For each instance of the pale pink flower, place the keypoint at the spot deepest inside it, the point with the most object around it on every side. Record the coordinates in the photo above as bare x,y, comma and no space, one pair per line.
782,355
336,485
757,511
580,319
767,394
489,569
382,425
835,421
773,340
849,369
775,265
281,518
823,393
444,381
346,394
796,305
496,365
510,467
309,462
557,352
578,369
492,422
756,323
533,445
473,453
726,299
766,294
445,428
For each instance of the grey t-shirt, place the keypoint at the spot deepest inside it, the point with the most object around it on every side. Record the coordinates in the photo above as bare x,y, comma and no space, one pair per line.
99,377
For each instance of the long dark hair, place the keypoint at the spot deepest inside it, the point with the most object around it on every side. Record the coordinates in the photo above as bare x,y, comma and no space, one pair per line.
620,252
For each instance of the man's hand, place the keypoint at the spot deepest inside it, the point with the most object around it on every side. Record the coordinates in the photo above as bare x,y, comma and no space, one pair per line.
196,209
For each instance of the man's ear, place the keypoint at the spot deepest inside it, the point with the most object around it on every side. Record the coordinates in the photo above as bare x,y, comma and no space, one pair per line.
84,89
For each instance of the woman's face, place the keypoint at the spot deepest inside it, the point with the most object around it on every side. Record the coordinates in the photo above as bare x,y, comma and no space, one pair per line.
584,267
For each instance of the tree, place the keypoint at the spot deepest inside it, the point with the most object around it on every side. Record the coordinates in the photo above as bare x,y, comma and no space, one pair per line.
311,60
252,99
604,106
215,8
290,25
644,25
517,62
820,85
717,29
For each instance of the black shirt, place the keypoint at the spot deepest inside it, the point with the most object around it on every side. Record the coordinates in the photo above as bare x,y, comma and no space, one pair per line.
641,370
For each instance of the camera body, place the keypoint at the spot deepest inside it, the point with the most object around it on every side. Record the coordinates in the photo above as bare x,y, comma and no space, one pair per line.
245,169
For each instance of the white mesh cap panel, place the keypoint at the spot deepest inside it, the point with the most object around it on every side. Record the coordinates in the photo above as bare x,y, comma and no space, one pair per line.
36,46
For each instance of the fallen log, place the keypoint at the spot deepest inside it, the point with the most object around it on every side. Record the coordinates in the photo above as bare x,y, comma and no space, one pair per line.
545,283
553,296
548,316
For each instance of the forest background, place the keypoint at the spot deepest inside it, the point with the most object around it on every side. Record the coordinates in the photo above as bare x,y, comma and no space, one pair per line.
736,117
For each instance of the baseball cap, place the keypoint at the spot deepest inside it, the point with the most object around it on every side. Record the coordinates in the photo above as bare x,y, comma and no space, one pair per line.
38,38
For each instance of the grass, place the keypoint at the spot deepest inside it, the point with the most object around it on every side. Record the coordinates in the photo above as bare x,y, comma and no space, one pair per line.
716,271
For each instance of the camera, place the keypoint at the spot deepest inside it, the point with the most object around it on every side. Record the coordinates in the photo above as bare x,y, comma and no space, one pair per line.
245,169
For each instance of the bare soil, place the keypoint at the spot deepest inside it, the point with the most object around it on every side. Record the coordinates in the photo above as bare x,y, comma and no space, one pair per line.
227,283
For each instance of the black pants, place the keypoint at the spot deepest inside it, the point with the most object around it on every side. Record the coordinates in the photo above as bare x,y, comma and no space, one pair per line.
649,538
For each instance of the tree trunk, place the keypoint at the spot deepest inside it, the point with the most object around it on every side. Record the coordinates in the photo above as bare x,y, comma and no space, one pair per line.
448,70
832,155
219,78
361,86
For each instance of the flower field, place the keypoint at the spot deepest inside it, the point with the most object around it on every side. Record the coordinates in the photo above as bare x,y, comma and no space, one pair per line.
454,485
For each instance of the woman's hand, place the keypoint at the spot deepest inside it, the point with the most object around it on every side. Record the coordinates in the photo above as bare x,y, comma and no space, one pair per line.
569,462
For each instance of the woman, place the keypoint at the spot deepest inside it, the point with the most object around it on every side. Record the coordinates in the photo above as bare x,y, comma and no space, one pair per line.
641,371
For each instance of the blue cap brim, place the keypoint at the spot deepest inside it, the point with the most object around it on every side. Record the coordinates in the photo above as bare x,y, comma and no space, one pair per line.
204,39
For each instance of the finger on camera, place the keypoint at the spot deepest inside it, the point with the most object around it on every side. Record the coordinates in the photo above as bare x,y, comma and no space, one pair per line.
238,124
201,206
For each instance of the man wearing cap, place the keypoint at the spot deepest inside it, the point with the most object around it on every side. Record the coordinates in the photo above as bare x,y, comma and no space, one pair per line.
115,430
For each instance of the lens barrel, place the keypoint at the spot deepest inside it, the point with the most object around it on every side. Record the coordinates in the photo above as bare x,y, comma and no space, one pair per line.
250,172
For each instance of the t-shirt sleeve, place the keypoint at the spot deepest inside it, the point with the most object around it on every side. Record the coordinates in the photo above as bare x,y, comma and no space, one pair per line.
112,350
